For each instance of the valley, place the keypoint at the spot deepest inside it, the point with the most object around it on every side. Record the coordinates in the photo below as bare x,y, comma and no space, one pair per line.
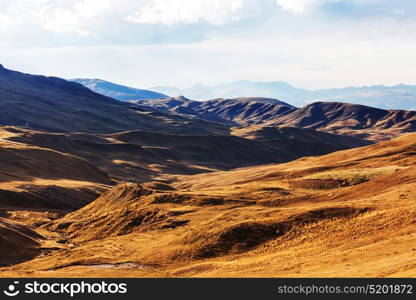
257,221
245,187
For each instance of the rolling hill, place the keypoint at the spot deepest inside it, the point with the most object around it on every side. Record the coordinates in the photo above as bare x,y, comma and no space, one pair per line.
361,121
350,119
73,143
233,112
17,242
34,177
350,213
334,117
92,186
57,105
145,156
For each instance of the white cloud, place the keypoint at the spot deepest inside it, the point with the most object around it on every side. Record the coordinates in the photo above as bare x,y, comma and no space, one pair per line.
298,6
59,16
75,17
286,40
215,12
61,21
6,20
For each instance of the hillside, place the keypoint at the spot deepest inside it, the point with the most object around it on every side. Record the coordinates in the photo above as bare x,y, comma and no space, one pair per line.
57,105
36,177
21,161
245,111
234,112
346,214
17,242
361,121
350,119
91,186
116,91
146,156
263,133
355,120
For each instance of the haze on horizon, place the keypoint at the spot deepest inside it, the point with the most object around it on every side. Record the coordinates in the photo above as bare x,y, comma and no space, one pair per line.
310,44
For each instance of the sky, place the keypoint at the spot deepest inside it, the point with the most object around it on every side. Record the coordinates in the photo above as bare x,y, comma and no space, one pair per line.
143,43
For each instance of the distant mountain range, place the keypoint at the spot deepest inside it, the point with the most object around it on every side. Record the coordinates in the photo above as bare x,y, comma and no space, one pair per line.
386,97
116,91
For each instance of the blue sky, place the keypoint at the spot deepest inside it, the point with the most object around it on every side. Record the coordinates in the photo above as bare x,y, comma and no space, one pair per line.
144,43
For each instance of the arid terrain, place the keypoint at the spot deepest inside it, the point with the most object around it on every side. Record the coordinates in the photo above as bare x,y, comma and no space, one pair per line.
350,213
94,187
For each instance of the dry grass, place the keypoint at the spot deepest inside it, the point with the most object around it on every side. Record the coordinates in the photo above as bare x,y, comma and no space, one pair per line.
353,176
247,223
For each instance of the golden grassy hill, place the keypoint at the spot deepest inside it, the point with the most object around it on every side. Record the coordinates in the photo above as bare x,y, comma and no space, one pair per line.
147,156
17,242
347,214
36,177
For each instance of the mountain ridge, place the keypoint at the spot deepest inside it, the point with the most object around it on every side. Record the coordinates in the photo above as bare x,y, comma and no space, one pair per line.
400,96
352,119
57,105
359,120
238,111
117,91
